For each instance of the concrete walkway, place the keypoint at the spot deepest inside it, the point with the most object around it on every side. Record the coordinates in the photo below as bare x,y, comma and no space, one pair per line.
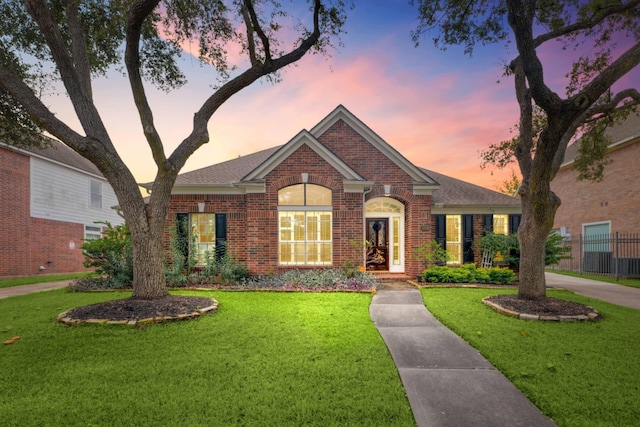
447,381
29,289
610,292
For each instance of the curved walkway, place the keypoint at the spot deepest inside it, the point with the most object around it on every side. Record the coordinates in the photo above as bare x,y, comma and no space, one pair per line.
447,381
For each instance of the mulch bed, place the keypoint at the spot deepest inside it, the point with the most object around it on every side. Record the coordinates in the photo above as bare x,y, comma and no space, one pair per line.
545,307
138,309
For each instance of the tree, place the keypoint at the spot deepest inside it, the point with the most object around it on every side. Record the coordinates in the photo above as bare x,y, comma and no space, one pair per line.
85,39
612,32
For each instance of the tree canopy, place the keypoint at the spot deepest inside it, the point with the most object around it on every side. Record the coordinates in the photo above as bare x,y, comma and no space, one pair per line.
77,41
603,39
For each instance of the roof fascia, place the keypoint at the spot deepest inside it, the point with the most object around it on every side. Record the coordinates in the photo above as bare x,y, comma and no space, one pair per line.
477,209
302,138
340,112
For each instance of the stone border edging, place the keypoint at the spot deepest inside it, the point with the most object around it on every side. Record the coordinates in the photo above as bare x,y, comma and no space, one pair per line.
63,318
593,315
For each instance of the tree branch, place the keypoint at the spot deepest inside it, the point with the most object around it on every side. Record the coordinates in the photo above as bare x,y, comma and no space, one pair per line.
600,15
255,24
137,13
82,104
615,101
79,53
523,148
22,93
199,134
251,43
520,15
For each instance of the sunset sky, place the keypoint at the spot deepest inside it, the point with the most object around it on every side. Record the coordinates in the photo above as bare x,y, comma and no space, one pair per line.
438,109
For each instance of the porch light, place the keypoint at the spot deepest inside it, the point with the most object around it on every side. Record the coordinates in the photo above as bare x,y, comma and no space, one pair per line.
387,190
200,207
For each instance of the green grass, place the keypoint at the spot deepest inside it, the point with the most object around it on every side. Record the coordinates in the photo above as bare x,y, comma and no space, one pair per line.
6,283
634,283
579,374
264,359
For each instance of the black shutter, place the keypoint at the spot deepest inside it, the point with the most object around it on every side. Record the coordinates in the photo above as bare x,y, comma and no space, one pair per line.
487,223
441,230
182,237
221,235
467,238
514,223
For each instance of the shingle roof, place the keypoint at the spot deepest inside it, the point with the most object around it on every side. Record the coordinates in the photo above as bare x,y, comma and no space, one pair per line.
452,191
226,172
628,129
455,192
60,153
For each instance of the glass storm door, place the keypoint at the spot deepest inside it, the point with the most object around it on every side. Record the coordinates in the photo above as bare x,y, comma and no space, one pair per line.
377,244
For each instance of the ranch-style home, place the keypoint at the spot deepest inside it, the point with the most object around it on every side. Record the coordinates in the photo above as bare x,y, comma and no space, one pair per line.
307,204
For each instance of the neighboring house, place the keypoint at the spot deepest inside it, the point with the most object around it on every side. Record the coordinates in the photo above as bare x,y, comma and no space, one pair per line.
50,200
304,204
593,212
611,205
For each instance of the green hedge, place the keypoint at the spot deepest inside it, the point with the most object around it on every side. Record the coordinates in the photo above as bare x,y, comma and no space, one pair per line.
469,273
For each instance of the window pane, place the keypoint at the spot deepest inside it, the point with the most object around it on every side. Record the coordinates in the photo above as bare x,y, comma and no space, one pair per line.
291,196
300,236
396,241
318,196
454,238
95,199
501,224
203,237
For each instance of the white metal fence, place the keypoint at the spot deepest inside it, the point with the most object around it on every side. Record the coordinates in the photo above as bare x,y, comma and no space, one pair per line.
616,255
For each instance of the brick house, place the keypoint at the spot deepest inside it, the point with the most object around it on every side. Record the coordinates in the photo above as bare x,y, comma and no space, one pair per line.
50,200
610,205
600,221
304,204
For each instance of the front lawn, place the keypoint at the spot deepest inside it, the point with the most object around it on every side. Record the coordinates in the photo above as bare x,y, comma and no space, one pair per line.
579,374
263,359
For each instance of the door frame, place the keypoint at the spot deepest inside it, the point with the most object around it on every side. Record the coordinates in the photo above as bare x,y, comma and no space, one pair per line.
390,215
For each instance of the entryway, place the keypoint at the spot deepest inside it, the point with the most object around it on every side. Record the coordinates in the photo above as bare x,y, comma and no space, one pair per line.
384,232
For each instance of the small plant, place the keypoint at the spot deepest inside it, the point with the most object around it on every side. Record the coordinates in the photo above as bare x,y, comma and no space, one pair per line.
111,255
431,254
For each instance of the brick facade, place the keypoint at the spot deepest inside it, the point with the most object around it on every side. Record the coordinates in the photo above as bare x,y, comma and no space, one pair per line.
616,198
27,243
341,154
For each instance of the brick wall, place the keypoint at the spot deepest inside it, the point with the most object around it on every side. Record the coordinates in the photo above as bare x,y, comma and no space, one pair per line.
252,219
615,199
58,242
15,230
27,243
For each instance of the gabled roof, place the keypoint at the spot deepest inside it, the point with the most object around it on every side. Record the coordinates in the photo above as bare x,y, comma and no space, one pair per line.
302,138
59,153
341,113
625,133
247,173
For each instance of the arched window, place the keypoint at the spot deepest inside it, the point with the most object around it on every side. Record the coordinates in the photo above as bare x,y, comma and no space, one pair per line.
304,225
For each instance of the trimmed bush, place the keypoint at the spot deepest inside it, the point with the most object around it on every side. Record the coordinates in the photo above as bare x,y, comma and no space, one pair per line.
469,273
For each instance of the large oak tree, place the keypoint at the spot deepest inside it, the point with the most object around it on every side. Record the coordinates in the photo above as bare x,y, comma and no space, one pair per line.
603,39
83,40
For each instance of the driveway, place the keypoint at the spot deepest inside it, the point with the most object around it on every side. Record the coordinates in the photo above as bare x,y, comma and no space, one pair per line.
616,294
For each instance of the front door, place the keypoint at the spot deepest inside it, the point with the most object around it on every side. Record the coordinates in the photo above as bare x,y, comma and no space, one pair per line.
377,244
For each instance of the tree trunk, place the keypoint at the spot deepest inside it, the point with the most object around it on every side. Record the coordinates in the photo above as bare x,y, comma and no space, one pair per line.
148,265
538,213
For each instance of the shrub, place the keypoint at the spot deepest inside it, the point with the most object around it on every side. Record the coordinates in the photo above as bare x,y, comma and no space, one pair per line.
468,273
111,256
320,279
431,254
